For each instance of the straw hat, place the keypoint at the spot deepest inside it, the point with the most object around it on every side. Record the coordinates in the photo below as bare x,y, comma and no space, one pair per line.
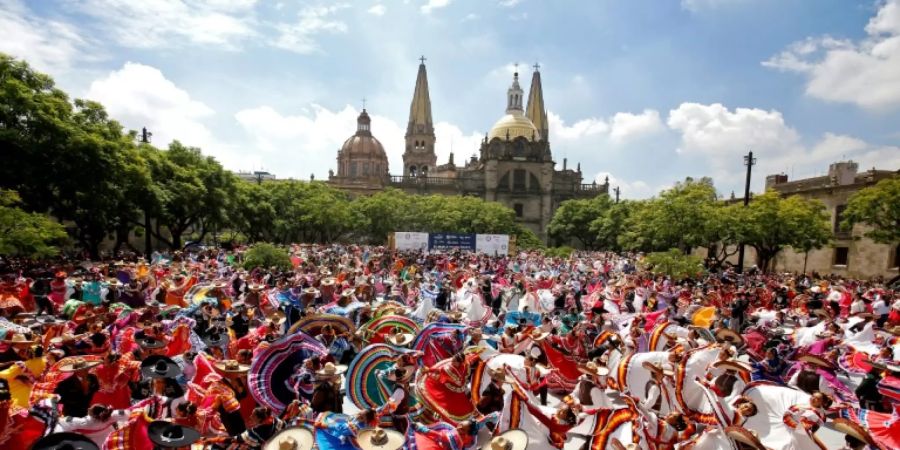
591,368
77,365
657,368
277,317
729,335
311,291
19,339
328,282
853,429
256,287
816,361
509,440
295,438
231,367
170,435
400,339
380,439
114,282
330,370
499,375
744,436
730,364
455,315
537,335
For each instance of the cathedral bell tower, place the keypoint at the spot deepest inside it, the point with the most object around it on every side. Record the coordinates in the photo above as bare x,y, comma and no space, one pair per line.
419,158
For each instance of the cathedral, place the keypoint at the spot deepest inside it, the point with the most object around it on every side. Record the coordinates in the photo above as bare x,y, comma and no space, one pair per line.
514,165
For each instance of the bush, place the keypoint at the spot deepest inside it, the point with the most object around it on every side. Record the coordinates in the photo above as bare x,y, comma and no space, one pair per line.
674,264
266,255
559,252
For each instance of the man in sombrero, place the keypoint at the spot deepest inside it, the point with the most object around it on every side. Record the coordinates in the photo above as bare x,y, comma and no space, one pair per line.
76,392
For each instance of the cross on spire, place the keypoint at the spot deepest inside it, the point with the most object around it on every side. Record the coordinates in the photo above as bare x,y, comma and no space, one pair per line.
422,59
364,103
537,67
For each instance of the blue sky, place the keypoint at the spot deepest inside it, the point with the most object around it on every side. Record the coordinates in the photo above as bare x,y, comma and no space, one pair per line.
644,91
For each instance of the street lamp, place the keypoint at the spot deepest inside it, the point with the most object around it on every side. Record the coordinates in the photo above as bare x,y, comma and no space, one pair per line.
749,161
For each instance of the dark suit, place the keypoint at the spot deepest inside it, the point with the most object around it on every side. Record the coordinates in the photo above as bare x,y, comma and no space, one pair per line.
73,397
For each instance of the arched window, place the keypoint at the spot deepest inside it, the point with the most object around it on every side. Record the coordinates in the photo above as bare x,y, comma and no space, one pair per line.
412,171
424,170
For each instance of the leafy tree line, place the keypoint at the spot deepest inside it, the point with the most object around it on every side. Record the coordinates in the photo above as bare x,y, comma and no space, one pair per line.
690,215
67,159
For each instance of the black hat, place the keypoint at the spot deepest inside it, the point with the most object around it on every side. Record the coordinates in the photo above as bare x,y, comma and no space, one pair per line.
151,343
158,366
216,339
67,441
170,435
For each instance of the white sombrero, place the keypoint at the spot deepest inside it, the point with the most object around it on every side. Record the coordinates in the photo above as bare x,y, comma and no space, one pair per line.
380,439
295,438
509,440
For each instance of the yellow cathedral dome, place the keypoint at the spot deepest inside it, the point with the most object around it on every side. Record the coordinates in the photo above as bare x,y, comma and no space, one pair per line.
517,125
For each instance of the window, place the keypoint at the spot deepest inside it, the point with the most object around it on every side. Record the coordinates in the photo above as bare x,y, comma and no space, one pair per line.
365,168
353,168
412,171
519,180
518,208
841,256
839,217
896,260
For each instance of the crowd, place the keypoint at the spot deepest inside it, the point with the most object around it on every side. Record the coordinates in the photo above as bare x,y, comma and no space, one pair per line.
367,348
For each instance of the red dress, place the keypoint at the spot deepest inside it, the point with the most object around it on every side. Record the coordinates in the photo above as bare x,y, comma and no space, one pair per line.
444,391
114,378
17,428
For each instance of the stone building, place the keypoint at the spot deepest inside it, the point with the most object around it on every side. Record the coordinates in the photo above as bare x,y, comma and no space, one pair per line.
849,254
514,165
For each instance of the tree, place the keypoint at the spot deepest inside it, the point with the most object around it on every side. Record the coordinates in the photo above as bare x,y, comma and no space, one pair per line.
252,212
265,255
610,226
674,264
27,234
878,207
678,218
773,223
573,219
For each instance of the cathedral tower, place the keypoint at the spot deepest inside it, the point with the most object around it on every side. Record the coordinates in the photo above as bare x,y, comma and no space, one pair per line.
419,157
535,109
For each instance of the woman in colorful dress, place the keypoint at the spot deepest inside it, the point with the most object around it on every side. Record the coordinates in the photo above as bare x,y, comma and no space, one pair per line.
444,389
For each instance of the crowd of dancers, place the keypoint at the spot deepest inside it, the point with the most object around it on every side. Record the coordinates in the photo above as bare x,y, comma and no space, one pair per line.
366,348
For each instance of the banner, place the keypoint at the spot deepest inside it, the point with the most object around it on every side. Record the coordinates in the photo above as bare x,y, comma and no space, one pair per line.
451,241
405,240
492,244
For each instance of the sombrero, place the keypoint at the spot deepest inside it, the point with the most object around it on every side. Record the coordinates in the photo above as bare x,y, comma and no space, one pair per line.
158,366
78,364
327,282
508,440
591,368
277,318
499,374
330,370
729,335
216,340
151,343
816,361
400,339
114,282
19,339
657,369
380,439
231,367
821,313
169,435
312,325
311,291
743,436
60,441
853,429
295,438
731,364
537,335
256,286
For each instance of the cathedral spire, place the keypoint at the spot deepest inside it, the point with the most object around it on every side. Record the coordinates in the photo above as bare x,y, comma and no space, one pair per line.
536,111
420,109
419,157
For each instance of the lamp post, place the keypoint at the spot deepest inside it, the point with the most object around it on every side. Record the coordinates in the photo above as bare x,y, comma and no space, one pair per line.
148,242
749,161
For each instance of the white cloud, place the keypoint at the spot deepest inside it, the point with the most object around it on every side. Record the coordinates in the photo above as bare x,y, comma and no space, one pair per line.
45,44
627,126
509,3
450,137
721,137
432,5
377,10
628,189
139,96
865,73
151,24
585,128
299,37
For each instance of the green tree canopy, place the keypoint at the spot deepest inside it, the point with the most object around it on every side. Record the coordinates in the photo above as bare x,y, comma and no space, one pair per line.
573,220
772,223
878,207
27,234
674,264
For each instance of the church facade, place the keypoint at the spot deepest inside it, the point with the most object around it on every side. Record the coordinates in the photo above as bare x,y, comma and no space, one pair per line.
514,165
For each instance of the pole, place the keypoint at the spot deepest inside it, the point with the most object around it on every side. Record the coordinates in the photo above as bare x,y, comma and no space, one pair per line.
148,241
616,190
749,161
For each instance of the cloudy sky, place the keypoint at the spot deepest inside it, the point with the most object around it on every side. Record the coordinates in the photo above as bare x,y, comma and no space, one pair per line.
643,91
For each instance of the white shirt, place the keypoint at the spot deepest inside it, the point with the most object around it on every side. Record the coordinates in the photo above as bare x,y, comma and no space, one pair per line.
91,428
880,308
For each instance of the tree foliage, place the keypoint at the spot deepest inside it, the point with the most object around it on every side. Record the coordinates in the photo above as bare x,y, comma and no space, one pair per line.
27,234
573,220
771,223
265,255
878,207
674,264
678,218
